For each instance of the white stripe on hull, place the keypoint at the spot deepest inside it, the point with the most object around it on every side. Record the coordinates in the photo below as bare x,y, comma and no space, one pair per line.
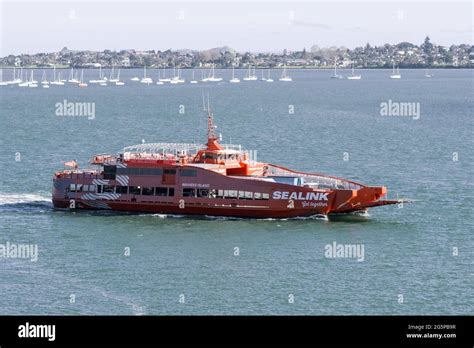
122,179
95,196
100,182
97,205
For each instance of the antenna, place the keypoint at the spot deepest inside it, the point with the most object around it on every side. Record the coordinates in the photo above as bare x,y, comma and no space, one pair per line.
211,134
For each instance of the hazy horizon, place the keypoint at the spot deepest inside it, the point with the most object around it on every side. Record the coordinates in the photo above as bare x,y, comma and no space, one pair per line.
38,27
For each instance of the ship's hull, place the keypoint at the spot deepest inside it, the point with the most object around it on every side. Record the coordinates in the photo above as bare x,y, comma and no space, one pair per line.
156,208
193,190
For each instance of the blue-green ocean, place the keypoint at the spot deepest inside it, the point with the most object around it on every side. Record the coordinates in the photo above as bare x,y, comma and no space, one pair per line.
418,257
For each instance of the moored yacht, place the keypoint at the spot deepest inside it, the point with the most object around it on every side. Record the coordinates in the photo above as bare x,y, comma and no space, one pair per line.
284,77
395,73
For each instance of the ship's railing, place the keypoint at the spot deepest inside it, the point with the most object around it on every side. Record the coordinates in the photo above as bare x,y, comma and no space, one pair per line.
176,149
234,147
79,174
316,180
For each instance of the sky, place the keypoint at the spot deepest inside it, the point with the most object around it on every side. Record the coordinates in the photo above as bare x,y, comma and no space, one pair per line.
265,26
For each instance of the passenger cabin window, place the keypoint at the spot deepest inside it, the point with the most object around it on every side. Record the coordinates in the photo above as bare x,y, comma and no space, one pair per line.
170,171
203,193
161,191
189,192
107,189
147,191
134,190
121,189
139,171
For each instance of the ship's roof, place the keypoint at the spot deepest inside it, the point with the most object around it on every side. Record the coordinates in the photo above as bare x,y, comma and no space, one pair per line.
163,147
204,165
177,148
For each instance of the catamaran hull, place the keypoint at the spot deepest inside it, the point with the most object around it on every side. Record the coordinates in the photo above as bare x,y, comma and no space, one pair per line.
275,200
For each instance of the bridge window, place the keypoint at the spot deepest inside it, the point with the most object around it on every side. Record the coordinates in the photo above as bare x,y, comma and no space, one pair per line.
209,155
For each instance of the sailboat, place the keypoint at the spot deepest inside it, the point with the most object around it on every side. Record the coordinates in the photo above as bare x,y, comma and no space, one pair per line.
145,79
269,79
60,82
32,80
44,80
1,79
112,78
193,80
82,84
203,79
336,76
284,77
395,75
117,80
101,79
164,79
353,76
234,79
33,83
23,83
159,82
71,78
19,78
427,73
15,80
180,79
54,81
250,76
212,75
263,77
176,78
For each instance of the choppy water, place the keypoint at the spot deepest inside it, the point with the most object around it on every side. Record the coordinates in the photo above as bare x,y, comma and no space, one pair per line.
407,251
